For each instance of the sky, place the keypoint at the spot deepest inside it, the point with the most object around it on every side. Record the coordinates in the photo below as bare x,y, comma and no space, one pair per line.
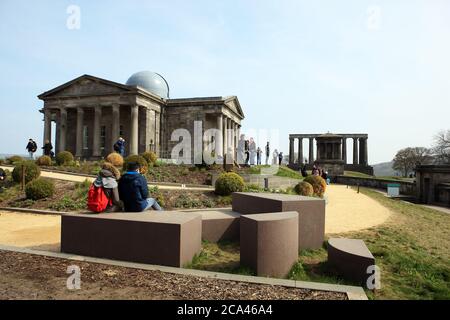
376,67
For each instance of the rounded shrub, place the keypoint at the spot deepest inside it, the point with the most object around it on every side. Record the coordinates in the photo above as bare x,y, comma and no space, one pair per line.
115,159
14,159
229,182
39,189
304,188
318,183
150,157
44,161
64,158
135,158
32,171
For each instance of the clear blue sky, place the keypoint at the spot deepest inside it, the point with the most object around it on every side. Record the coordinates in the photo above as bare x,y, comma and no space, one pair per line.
380,67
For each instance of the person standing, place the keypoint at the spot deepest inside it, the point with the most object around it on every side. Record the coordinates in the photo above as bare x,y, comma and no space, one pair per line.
119,146
275,157
247,152
258,156
267,153
241,150
31,148
48,149
280,158
252,149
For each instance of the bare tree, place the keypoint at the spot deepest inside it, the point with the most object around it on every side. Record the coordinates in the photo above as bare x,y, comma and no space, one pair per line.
441,148
407,159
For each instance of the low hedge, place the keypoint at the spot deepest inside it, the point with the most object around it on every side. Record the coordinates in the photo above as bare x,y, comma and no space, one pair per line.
64,158
135,158
318,183
229,182
304,188
32,171
39,189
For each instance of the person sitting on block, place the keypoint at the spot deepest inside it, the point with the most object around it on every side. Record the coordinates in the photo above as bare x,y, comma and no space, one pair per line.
133,191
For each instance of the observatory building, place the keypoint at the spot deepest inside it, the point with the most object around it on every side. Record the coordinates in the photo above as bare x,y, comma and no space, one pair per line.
88,114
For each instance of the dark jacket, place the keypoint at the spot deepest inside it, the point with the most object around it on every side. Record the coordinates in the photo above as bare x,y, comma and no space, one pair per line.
133,191
47,149
31,146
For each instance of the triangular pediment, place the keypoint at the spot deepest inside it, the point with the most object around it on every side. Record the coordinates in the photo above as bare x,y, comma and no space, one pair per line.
234,105
85,86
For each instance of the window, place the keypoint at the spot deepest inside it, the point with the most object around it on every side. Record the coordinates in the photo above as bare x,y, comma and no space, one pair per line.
102,137
121,131
85,137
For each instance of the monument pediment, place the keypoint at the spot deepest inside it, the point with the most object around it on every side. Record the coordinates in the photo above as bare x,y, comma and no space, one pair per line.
85,86
233,104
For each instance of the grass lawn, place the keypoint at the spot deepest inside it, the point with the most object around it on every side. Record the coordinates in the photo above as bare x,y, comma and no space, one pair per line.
363,175
283,171
412,250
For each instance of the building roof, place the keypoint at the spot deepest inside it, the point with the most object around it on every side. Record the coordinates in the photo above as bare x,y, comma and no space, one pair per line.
151,81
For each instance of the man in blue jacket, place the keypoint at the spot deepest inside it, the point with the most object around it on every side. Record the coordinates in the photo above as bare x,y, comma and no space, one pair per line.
133,191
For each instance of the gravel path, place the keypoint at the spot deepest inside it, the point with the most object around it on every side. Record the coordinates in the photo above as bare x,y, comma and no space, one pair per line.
25,276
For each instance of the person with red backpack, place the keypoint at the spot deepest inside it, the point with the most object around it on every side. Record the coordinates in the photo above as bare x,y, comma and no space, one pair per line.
104,194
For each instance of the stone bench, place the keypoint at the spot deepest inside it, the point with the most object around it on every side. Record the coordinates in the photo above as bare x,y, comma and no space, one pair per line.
269,242
169,238
218,224
311,219
351,258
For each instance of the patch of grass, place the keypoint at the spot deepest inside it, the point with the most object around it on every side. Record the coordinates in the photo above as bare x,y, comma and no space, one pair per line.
288,173
219,257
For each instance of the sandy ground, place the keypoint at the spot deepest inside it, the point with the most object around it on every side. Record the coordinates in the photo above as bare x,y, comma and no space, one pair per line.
346,211
30,230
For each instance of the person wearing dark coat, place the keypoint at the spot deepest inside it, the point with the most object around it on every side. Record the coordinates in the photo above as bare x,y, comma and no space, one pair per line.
280,158
47,148
133,191
31,148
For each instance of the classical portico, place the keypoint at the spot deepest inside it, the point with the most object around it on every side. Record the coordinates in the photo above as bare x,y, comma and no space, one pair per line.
331,149
91,113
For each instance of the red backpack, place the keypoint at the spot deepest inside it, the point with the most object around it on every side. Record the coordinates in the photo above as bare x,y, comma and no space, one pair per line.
98,201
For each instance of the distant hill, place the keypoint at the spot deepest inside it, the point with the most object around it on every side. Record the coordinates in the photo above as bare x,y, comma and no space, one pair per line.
384,169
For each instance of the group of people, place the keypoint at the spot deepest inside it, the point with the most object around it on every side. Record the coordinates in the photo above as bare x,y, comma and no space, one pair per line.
247,153
318,171
128,192
32,148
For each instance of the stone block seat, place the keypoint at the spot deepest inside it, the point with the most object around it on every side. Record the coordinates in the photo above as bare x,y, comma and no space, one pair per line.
218,224
350,257
311,219
169,238
269,242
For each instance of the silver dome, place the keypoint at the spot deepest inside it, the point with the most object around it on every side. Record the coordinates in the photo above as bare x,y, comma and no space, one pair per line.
150,81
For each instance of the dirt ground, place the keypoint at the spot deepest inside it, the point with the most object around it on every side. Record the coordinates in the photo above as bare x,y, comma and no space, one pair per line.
25,276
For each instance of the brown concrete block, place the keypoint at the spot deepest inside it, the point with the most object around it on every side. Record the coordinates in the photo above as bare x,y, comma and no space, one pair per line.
311,228
351,258
169,239
269,242
220,225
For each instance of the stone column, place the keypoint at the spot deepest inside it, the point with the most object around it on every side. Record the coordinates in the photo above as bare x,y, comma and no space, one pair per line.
344,150
115,123
300,151
79,137
225,135
319,151
311,151
219,136
355,151
47,126
362,151
291,151
96,152
366,156
62,129
134,133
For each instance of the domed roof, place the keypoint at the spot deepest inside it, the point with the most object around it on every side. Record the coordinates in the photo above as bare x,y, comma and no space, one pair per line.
150,81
